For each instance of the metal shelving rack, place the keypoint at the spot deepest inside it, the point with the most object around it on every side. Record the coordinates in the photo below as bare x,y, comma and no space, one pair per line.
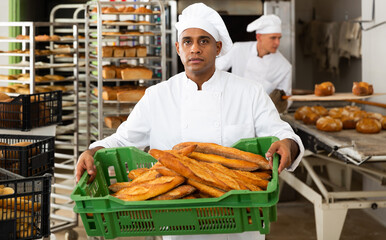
66,146
156,60
67,134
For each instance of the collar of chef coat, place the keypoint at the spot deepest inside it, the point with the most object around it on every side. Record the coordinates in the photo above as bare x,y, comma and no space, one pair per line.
214,83
255,53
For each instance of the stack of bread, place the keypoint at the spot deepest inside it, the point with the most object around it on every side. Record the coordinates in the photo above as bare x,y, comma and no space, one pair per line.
40,37
125,93
23,209
124,9
126,72
124,51
336,119
195,170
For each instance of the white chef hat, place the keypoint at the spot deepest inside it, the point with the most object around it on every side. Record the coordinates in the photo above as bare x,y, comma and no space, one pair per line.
265,24
198,15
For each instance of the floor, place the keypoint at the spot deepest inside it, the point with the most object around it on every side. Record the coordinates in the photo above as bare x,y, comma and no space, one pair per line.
295,221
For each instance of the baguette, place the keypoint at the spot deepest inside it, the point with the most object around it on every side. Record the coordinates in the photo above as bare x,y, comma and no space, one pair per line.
263,175
251,178
176,193
149,189
205,189
232,174
133,174
225,178
164,171
228,152
145,177
21,216
230,163
188,168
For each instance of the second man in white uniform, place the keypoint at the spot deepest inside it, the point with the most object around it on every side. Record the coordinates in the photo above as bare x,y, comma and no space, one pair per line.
261,60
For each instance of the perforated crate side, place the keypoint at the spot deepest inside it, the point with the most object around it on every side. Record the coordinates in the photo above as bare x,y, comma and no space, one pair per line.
29,218
31,160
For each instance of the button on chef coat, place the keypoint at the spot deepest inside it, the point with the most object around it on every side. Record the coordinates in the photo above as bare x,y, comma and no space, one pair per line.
273,71
227,109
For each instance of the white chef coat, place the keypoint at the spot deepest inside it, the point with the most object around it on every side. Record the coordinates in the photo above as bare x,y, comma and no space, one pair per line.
227,109
273,71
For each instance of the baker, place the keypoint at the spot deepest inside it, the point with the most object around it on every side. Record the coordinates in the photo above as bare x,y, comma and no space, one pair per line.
202,104
261,60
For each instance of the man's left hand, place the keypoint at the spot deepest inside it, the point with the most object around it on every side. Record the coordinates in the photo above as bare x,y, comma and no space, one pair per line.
288,150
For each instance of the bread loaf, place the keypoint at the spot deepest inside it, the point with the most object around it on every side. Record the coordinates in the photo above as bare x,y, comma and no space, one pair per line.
112,122
324,89
130,51
368,125
329,124
320,110
109,95
54,77
362,89
141,51
7,90
107,51
177,193
108,72
149,189
118,51
7,77
301,112
136,73
310,118
383,122
130,95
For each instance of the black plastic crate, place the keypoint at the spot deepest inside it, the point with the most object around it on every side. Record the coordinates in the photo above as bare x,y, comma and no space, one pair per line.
34,159
29,111
29,218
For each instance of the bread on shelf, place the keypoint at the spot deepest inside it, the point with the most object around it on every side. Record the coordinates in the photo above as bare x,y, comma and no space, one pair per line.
108,72
7,77
133,95
53,77
118,51
135,73
7,90
362,89
383,122
109,95
324,89
107,51
130,51
141,51
143,10
112,122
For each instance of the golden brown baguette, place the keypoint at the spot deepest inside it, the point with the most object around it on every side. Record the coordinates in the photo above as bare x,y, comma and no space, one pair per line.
228,152
164,171
251,178
205,189
188,168
232,174
133,174
149,189
263,175
225,178
230,163
176,193
145,177
21,216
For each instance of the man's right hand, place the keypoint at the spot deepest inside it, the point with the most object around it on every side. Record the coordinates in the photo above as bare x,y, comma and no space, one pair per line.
86,162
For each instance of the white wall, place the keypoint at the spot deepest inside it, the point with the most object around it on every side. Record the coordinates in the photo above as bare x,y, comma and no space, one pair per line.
4,46
374,71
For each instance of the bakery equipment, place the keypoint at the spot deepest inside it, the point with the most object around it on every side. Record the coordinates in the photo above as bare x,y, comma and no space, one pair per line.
330,161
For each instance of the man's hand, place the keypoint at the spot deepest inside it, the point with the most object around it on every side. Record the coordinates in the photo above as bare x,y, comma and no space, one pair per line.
277,98
288,150
86,162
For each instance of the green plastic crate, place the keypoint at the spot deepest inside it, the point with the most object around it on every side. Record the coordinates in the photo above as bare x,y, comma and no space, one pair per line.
234,212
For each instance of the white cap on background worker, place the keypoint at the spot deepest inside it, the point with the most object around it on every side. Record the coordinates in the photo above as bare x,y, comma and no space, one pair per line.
265,24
